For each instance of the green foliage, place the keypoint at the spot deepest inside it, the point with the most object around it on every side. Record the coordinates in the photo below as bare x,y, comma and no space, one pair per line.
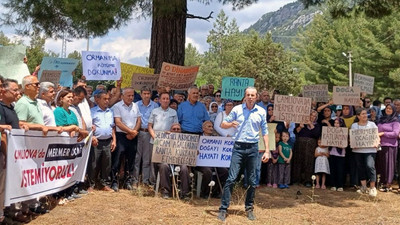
4,40
374,44
35,52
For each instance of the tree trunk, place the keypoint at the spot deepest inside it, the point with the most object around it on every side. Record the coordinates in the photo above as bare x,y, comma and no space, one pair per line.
168,33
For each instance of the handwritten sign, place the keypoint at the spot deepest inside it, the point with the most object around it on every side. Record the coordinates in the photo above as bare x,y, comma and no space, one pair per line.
101,66
234,87
177,77
293,109
127,71
140,80
12,62
318,92
175,148
52,76
343,95
364,138
215,151
365,83
335,136
65,65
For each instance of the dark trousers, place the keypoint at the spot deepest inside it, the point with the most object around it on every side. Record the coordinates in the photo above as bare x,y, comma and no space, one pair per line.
165,178
350,167
284,173
336,165
303,160
366,166
125,149
243,155
222,174
100,162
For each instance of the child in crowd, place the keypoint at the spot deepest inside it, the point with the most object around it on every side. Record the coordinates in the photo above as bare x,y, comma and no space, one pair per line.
321,164
285,155
337,161
272,170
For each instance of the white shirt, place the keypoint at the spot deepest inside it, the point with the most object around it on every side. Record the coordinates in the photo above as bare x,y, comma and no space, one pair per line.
47,111
217,125
128,114
86,114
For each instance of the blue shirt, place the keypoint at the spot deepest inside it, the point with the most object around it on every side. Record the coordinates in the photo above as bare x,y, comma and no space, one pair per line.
191,116
104,122
250,123
146,111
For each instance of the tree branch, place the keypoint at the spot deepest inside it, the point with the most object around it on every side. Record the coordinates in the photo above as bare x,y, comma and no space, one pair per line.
191,16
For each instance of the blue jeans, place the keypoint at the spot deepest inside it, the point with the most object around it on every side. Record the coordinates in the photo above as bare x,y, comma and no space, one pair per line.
244,154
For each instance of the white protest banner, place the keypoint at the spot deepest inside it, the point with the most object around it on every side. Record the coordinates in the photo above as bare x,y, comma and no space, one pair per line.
293,109
127,71
364,82
175,148
234,87
318,92
52,76
101,66
271,138
140,80
40,165
364,138
215,151
177,77
343,95
12,62
335,136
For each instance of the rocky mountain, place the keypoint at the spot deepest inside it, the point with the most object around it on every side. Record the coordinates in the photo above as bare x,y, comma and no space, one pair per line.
286,22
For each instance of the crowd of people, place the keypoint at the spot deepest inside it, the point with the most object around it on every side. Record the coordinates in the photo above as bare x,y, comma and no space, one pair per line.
124,125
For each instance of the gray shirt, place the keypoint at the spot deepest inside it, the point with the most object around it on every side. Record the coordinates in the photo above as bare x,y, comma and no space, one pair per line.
162,120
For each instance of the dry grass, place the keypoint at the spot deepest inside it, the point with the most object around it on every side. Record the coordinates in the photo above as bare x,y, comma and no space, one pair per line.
273,206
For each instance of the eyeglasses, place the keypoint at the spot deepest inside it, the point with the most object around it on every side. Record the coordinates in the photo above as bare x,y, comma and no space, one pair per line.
217,95
35,84
176,129
214,106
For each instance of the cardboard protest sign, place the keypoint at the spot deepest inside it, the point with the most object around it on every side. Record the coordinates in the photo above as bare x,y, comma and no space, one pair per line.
293,109
177,77
12,62
40,165
343,95
140,80
215,151
65,65
364,138
335,136
175,148
317,92
234,87
271,138
52,76
365,83
127,71
101,66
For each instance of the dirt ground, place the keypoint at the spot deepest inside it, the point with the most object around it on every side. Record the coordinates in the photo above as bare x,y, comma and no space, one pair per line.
273,206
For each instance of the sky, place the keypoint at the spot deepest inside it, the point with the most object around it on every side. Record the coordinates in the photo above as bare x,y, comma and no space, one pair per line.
132,42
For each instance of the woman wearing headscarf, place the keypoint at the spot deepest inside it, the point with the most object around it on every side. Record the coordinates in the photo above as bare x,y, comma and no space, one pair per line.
348,118
213,111
271,119
388,128
228,106
373,114
303,155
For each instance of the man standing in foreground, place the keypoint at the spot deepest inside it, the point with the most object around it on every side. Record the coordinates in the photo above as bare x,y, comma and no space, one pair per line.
248,119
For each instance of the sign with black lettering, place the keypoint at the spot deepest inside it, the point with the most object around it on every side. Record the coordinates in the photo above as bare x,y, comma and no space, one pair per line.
215,151
364,138
366,83
234,87
317,92
335,136
175,148
293,109
343,95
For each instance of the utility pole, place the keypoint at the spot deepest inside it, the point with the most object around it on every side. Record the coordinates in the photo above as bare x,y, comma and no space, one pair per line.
349,57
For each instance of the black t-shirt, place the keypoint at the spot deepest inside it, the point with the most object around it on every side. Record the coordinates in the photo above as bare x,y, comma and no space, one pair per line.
8,116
